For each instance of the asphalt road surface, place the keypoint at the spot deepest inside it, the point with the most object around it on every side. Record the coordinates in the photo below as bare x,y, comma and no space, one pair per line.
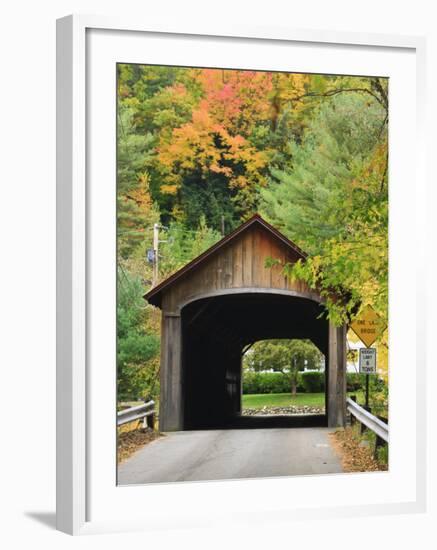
231,454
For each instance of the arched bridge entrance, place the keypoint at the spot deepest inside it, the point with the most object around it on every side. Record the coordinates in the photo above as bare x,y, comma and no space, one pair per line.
221,302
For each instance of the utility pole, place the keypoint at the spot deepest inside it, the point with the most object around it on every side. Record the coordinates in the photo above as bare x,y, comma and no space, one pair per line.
155,253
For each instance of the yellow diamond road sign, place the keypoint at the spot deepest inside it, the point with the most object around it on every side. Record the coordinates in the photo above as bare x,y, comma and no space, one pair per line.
368,326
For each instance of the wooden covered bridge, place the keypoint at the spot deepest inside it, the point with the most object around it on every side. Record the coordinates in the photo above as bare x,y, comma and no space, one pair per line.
220,302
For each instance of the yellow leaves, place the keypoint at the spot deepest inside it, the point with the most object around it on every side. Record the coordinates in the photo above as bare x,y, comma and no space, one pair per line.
372,176
239,181
316,263
201,119
140,195
132,102
288,88
169,189
379,161
236,142
205,146
178,213
382,356
291,87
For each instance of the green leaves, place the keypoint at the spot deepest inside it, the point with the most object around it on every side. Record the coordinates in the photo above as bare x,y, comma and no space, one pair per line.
283,356
136,347
332,200
182,245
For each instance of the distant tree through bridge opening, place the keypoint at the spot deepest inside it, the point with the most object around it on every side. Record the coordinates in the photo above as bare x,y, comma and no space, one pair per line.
283,377
220,302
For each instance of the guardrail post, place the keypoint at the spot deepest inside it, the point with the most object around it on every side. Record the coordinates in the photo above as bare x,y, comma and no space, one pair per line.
363,426
352,417
150,421
378,443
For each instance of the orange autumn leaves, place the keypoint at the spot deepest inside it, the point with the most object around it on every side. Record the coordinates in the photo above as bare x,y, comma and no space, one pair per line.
216,141
204,146
238,99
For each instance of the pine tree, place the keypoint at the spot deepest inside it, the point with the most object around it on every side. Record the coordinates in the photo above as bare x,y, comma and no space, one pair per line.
333,201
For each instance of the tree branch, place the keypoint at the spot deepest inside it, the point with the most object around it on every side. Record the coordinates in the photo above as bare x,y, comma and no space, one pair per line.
331,93
381,187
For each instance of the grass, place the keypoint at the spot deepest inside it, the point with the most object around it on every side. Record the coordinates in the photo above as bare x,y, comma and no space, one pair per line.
258,401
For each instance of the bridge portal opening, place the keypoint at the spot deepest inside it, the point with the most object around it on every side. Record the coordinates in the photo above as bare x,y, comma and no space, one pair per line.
217,333
283,377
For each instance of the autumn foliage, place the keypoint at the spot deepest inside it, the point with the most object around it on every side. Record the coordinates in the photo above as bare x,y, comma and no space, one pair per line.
200,150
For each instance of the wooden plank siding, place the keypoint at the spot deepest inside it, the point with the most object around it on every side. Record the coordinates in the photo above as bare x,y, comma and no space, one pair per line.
237,264
247,258
241,263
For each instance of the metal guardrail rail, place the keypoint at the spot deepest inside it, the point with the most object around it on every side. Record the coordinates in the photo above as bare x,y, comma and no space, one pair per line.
136,413
377,426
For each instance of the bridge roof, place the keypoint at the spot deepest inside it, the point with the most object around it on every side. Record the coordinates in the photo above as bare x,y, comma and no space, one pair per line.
154,295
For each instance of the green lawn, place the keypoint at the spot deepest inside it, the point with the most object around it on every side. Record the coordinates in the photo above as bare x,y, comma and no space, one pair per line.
258,401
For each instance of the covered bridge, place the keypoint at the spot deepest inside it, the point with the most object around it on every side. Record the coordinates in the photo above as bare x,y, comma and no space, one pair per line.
224,300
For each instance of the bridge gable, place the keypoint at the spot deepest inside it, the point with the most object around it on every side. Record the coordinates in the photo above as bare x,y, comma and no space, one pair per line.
238,261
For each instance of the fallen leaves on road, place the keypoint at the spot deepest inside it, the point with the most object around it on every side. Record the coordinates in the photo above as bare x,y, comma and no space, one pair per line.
130,441
354,457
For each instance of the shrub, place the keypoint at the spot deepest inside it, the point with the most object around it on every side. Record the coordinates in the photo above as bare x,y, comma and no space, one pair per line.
273,382
309,382
265,382
355,381
382,454
313,381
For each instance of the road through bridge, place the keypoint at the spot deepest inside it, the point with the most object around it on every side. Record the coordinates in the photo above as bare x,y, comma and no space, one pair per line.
231,454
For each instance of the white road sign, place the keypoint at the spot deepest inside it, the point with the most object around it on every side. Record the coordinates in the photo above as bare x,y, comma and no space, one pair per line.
368,361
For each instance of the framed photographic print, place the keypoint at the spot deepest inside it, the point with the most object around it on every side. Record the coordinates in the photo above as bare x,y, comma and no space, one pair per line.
234,289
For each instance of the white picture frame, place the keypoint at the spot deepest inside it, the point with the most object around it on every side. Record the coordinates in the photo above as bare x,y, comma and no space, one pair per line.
75,398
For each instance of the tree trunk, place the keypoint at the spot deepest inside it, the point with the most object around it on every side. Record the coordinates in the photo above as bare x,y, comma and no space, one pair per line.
293,386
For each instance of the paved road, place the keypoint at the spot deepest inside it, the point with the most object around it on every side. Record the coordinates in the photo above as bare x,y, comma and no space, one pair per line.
231,454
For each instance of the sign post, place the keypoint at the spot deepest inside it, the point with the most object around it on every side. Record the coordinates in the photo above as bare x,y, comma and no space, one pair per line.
367,367
368,327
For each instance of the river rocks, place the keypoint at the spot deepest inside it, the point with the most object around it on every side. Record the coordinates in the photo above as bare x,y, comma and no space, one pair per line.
284,411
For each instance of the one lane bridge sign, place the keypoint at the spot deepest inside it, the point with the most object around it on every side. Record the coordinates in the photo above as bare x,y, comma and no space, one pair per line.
368,361
368,326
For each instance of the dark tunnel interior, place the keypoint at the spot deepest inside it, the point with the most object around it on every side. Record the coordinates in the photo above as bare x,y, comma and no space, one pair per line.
215,331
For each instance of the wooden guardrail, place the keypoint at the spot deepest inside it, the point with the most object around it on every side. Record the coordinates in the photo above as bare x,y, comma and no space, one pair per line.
146,412
366,418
